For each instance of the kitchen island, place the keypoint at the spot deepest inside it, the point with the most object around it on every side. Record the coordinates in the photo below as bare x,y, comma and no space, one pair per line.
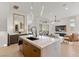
42,47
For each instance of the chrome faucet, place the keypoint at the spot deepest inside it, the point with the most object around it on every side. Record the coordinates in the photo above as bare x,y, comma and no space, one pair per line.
34,31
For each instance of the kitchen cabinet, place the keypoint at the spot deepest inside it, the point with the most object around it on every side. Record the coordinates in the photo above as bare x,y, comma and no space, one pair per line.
29,50
12,39
43,47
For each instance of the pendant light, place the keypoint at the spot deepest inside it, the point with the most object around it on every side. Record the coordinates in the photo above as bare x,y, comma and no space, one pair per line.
55,19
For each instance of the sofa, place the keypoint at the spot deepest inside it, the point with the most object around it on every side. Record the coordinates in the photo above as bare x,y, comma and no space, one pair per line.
72,37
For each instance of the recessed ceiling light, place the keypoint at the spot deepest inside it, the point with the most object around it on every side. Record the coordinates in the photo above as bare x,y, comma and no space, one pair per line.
66,8
31,7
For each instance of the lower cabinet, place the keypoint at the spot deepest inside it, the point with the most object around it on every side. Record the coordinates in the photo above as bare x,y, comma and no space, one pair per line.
12,39
30,51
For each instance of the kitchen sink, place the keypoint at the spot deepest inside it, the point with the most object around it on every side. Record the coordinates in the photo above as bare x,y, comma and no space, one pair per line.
32,38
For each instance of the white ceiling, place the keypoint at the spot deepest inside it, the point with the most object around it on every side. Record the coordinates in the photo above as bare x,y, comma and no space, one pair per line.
50,9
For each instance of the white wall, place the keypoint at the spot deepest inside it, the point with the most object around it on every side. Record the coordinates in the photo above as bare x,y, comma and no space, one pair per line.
77,24
76,28
20,11
4,12
50,10
62,21
67,22
3,38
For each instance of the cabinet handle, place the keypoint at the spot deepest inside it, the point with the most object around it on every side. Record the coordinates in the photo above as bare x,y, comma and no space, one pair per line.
25,44
34,50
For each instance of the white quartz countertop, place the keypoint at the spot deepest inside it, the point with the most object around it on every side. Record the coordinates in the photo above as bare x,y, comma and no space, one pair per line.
42,42
11,33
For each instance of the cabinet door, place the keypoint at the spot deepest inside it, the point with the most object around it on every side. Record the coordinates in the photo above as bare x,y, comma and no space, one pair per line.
30,50
26,50
35,52
13,39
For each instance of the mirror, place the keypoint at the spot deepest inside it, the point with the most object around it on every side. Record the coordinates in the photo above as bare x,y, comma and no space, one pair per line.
18,23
